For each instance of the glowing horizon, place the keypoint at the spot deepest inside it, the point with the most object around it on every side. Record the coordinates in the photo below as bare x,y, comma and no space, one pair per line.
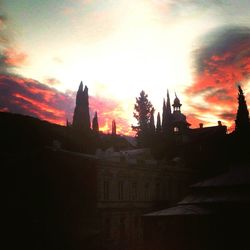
118,48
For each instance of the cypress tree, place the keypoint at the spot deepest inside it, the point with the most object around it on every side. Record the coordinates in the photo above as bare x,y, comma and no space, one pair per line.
95,125
113,127
242,118
158,124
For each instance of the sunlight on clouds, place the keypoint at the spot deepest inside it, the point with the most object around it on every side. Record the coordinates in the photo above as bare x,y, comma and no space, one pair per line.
119,49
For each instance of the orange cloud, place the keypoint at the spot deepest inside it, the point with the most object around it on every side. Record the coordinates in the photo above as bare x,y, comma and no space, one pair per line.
220,66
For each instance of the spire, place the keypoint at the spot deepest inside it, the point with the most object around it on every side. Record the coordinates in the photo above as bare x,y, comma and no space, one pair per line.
113,127
242,118
95,125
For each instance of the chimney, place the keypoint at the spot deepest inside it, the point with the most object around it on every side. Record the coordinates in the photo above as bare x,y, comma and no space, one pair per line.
219,123
201,125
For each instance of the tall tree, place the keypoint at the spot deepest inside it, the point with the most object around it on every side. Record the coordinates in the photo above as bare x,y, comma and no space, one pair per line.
113,127
152,121
81,119
142,113
242,118
95,125
158,124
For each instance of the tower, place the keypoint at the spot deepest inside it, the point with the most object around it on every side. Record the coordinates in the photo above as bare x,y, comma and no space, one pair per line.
177,105
81,119
179,122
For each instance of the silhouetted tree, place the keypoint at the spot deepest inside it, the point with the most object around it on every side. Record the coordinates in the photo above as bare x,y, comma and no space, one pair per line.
95,125
152,121
166,116
158,124
242,118
143,109
113,127
81,118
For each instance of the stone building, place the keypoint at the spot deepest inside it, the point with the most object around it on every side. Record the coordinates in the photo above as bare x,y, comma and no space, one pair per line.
129,184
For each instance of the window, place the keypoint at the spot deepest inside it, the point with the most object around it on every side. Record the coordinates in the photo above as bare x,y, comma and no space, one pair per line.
106,190
176,130
120,191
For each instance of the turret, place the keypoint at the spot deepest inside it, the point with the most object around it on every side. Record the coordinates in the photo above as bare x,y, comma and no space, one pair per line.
177,105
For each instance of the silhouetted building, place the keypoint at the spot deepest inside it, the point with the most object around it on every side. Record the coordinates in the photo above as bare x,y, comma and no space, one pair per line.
215,215
130,184
194,146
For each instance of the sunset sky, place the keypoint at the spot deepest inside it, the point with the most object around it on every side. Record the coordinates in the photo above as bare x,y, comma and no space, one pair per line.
197,48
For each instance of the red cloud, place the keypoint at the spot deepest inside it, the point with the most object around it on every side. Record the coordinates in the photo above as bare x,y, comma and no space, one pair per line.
220,67
109,110
26,96
29,97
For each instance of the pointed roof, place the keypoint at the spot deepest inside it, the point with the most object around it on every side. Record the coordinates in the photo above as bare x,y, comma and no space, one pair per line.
177,102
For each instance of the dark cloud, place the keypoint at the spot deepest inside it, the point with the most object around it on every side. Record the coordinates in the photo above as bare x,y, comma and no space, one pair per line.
227,116
219,47
220,63
26,96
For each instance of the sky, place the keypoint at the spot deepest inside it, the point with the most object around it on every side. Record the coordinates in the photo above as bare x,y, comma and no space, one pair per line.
197,48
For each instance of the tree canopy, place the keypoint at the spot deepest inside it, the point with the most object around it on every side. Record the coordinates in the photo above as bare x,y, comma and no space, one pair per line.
143,110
